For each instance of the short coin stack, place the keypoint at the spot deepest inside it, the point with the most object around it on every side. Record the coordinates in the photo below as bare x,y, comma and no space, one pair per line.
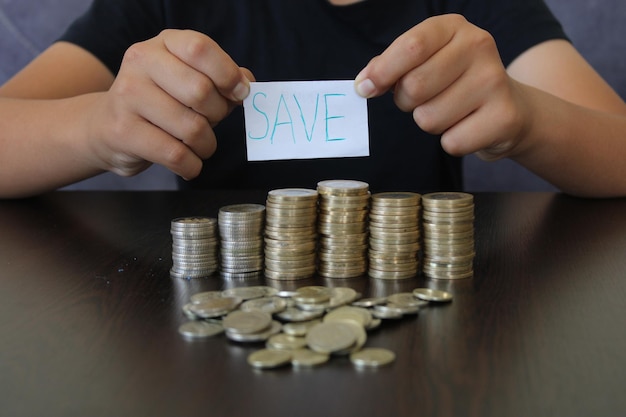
448,221
194,247
394,235
241,247
342,225
290,233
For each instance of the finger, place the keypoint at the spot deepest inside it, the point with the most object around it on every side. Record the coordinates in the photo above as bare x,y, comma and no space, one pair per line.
429,79
140,95
146,142
408,51
206,56
448,107
172,154
189,86
490,130
178,121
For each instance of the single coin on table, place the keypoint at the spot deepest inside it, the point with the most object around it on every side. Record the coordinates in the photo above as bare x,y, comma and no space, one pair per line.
269,358
429,294
372,357
198,329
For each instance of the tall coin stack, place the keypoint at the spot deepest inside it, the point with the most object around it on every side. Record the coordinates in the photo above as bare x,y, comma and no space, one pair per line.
290,233
342,225
194,247
448,221
394,235
241,244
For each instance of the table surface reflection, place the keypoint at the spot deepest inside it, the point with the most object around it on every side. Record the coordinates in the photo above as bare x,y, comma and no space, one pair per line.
89,318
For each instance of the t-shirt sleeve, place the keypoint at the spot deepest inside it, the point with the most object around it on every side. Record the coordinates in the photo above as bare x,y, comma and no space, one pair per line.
109,27
516,25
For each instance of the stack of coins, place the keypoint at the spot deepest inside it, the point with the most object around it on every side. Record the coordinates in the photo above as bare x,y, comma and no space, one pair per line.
290,235
448,221
194,247
342,225
394,235
241,247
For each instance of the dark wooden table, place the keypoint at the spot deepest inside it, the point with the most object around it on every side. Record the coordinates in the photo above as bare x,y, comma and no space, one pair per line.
89,318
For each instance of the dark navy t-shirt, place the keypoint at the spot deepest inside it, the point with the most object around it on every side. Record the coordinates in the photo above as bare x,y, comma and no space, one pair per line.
313,40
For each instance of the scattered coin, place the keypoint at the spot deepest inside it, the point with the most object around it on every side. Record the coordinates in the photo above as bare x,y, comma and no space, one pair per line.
247,322
387,312
312,295
372,357
214,307
429,294
264,335
407,301
294,314
271,305
306,358
331,337
268,358
206,295
285,341
199,329
248,293
299,328
369,302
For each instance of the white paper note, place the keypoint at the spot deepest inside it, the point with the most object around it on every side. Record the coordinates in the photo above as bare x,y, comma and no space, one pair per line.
305,120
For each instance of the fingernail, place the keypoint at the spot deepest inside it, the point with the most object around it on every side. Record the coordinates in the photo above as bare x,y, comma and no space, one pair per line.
241,91
365,88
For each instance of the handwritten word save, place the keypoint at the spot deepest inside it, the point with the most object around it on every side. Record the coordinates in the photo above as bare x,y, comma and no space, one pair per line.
300,119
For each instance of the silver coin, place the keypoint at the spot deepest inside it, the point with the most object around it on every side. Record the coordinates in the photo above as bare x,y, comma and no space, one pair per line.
312,294
358,315
215,307
331,337
447,199
205,295
341,296
369,302
248,293
320,307
271,305
396,199
242,210
268,358
286,194
387,312
198,329
274,328
372,357
284,341
342,187
302,358
247,322
406,299
293,314
299,328
188,313
429,294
